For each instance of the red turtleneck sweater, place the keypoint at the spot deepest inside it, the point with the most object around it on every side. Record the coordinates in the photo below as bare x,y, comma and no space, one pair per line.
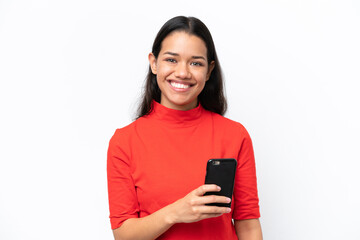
161,157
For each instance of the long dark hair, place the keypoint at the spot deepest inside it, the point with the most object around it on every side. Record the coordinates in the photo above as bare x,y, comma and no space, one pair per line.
212,97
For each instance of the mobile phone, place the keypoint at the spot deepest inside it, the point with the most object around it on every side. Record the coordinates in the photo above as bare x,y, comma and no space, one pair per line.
221,171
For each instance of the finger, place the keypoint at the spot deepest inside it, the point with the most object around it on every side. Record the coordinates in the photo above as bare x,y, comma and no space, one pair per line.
210,215
212,209
202,200
207,188
213,199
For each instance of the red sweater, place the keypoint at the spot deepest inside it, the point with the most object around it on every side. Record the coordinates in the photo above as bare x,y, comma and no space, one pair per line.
161,157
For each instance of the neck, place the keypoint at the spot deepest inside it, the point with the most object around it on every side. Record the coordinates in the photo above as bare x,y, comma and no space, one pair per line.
184,107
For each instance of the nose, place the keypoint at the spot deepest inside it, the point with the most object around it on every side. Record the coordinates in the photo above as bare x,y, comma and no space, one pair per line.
182,71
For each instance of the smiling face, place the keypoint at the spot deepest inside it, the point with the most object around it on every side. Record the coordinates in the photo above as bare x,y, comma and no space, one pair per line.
181,69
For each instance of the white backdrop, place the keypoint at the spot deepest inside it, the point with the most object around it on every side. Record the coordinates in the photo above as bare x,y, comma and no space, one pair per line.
71,72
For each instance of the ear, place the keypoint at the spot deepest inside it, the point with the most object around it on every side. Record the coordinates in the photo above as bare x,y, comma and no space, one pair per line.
211,67
152,62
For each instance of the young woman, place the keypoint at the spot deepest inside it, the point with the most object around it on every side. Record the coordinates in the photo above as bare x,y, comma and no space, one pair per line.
157,164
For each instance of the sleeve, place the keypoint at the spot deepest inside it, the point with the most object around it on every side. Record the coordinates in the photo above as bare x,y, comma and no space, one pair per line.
123,201
246,201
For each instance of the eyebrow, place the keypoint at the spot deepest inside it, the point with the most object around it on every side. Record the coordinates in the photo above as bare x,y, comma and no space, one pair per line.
176,54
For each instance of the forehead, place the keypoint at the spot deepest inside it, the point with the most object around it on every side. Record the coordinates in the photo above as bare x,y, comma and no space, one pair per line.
184,43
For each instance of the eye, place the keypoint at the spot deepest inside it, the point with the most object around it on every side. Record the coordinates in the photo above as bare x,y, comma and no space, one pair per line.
170,60
196,64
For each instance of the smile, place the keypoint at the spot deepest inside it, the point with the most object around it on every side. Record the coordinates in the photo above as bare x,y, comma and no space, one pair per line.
177,86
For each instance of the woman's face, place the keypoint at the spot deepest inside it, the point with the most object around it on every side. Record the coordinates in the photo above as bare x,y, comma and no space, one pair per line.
182,70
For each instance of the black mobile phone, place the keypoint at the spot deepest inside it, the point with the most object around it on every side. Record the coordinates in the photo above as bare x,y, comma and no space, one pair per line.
221,172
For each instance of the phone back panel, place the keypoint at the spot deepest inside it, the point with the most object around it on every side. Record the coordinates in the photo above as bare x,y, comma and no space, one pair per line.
222,173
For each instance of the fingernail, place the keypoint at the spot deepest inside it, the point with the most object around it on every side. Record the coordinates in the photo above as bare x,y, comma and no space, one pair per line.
219,188
228,200
228,210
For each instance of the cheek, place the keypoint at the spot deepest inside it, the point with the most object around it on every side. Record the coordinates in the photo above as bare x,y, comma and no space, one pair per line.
163,70
200,76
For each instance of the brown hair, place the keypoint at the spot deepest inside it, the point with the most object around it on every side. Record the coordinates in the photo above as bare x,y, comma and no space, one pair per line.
212,97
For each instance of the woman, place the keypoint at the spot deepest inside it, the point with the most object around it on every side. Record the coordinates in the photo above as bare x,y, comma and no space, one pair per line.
157,164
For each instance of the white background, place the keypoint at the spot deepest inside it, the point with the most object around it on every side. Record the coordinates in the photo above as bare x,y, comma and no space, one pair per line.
71,73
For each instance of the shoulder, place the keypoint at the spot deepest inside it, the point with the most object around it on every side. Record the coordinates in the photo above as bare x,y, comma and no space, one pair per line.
122,135
229,125
120,142
123,132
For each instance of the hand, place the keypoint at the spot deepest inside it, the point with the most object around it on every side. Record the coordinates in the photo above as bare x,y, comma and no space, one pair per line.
192,207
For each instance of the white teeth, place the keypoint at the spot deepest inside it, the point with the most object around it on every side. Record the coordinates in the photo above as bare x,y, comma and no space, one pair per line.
179,85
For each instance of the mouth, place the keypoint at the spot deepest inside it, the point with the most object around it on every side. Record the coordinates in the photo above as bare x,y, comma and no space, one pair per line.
180,86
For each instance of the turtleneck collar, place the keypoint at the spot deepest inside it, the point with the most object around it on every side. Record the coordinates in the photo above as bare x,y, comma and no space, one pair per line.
177,117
